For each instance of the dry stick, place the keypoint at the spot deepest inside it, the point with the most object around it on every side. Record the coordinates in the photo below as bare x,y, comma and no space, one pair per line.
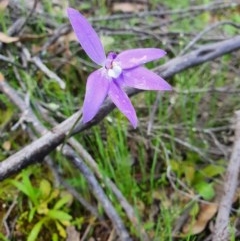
29,116
9,61
15,28
71,155
221,232
199,8
206,30
122,200
98,192
189,146
6,216
45,144
153,112
61,30
59,180
79,198
20,23
41,66
38,62
224,90
93,165
29,15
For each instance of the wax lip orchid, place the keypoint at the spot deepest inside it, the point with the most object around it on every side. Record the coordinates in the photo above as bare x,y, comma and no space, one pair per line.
116,72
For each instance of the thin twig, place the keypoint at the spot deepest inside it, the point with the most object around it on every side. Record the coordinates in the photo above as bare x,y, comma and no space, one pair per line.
80,199
6,216
38,62
206,30
9,61
62,30
153,112
16,26
189,146
28,16
224,90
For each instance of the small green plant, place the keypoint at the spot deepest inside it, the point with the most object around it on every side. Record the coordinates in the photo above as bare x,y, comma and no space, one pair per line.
46,206
198,179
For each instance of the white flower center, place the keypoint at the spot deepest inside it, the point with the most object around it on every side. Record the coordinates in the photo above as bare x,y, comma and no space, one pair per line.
114,72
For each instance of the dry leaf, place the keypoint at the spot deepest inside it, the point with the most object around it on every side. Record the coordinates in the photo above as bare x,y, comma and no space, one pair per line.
206,213
6,145
72,234
3,4
4,38
30,37
1,77
128,7
71,37
60,43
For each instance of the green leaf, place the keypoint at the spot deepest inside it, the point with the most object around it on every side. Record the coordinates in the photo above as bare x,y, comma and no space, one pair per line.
195,209
43,208
45,188
149,225
175,166
55,237
64,200
31,214
35,231
189,171
3,238
85,6
61,230
20,187
205,190
59,215
54,194
212,170
26,187
32,192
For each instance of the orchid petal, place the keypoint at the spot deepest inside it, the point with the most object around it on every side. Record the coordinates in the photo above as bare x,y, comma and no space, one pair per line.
134,57
87,36
144,79
123,103
96,91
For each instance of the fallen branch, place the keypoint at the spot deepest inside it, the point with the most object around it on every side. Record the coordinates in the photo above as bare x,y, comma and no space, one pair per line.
40,148
221,232
98,193
69,153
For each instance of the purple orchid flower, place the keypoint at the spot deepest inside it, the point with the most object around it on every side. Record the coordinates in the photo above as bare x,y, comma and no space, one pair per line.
117,71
